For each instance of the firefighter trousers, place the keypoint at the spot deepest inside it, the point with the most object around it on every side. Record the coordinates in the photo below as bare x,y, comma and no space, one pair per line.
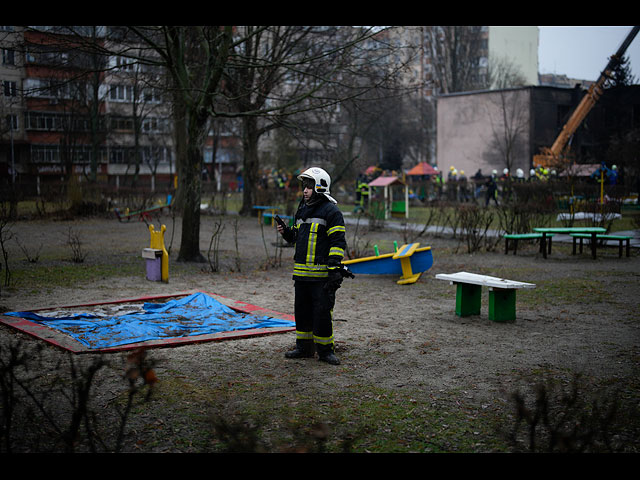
314,315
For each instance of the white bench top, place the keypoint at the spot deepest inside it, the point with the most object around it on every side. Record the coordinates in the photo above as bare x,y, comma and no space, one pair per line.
596,217
484,280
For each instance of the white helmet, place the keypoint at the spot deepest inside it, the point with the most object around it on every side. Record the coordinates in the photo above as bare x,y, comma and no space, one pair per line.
519,173
321,179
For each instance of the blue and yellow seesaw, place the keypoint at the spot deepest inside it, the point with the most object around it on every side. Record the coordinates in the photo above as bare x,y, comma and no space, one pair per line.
410,261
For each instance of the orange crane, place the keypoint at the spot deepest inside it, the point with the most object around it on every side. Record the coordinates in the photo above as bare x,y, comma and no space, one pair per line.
556,156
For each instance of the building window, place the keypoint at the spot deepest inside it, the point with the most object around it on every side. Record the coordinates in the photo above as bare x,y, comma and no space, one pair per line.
42,121
151,95
9,89
124,63
154,156
155,125
80,154
122,123
56,122
118,155
8,57
40,88
45,154
121,93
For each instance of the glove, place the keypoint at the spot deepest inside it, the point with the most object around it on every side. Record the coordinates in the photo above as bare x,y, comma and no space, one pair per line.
334,281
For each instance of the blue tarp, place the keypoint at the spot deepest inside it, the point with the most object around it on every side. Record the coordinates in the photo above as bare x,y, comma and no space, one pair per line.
196,314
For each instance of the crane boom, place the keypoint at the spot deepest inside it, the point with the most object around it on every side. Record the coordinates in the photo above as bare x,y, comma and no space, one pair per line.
552,156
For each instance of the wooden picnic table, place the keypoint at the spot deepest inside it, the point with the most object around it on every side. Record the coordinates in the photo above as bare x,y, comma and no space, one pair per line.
593,231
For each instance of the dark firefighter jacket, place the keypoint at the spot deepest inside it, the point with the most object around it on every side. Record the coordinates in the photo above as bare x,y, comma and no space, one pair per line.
319,235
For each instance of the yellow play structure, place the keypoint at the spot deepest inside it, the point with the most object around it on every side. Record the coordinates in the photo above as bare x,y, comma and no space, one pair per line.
157,249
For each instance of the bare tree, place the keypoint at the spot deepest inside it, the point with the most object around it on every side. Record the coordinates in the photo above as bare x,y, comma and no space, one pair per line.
345,94
454,55
277,72
507,113
509,121
194,58
503,73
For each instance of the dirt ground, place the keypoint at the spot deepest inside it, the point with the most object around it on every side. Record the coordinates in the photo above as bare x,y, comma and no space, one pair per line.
583,318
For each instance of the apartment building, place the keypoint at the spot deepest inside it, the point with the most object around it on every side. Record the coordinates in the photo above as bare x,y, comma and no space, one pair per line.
80,115
115,126
47,95
12,133
488,47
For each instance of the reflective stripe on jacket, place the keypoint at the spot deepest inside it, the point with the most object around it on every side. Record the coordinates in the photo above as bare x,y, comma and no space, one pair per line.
319,235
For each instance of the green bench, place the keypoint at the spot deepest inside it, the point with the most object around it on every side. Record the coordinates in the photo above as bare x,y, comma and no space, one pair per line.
620,238
522,236
502,294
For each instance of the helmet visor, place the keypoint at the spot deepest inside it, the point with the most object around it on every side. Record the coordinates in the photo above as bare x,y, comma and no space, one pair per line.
308,183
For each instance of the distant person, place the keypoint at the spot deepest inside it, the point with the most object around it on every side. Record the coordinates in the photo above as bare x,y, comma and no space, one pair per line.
491,190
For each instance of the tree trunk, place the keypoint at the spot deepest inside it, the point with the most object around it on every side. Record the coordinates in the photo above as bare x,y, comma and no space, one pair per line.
190,184
251,164
180,139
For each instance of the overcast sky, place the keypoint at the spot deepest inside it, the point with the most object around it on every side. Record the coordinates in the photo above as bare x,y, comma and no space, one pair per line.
583,52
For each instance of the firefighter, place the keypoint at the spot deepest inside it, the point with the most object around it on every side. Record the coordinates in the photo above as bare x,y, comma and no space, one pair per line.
319,237
363,191
492,189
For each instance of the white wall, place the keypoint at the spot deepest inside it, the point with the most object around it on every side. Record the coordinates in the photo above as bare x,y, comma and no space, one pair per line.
468,125
518,45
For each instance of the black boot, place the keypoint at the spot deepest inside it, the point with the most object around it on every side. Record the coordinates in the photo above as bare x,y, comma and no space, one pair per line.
304,349
330,358
326,354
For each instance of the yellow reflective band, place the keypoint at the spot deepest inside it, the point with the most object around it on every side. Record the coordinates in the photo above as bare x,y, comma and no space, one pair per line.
304,335
336,251
310,268
313,271
337,228
311,244
323,340
297,273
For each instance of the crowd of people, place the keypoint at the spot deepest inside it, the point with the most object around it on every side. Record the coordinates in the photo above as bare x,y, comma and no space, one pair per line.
278,179
478,188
